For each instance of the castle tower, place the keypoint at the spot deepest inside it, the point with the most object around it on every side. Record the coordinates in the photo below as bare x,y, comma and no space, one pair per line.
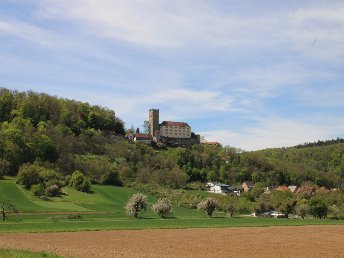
153,121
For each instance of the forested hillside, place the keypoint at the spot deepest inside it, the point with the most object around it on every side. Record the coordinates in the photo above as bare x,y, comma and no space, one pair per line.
63,136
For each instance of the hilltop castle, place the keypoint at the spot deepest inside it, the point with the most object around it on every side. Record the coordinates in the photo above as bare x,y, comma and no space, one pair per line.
169,132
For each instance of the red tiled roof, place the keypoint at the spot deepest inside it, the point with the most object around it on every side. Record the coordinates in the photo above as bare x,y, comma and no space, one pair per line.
172,123
212,143
283,188
143,136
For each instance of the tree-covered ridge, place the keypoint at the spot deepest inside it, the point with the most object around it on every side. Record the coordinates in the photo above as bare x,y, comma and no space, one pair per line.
66,135
75,116
320,143
46,129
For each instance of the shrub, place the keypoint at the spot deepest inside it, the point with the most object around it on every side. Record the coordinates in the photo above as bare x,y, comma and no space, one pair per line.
28,175
338,211
50,177
37,190
208,205
136,203
231,208
318,208
111,178
162,207
52,190
80,182
302,210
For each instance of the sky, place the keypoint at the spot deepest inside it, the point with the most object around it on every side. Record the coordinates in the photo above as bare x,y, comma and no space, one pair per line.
248,74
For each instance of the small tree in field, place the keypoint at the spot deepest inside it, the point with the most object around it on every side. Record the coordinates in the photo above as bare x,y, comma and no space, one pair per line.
6,207
231,208
208,205
302,210
318,208
136,203
162,207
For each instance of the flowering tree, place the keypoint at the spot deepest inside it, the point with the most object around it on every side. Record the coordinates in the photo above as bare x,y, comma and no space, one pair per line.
136,203
162,207
208,205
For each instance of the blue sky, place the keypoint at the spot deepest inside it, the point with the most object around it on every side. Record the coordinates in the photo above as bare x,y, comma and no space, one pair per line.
249,74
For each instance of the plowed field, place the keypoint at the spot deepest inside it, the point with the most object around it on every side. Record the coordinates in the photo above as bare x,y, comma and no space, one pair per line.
305,241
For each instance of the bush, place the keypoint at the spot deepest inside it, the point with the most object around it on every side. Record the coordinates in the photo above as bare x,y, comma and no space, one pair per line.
80,182
52,190
208,205
136,203
111,178
37,190
302,210
338,211
318,208
50,177
28,175
231,208
162,207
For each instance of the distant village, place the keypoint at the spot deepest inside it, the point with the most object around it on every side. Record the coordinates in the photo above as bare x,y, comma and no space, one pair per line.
220,188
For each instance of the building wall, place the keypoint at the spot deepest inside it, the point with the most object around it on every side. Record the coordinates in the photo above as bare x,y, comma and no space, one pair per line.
153,121
175,131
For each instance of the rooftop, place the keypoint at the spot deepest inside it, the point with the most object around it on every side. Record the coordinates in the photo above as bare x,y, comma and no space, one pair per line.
172,123
143,136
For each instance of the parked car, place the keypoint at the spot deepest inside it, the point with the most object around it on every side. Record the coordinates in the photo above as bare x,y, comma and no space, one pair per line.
273,214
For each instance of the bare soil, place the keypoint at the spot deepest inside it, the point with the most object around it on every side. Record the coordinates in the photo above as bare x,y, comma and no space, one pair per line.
303,241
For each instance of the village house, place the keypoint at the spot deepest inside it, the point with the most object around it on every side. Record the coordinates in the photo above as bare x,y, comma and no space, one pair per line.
216,187
143,137
282,188
293,188
247,186
306,189
216,144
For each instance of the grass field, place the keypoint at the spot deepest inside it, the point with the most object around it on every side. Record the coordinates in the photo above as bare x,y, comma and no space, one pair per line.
103,210
25,254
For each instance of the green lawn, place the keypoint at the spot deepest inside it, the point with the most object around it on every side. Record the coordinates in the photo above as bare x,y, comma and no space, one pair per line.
25,254
57,223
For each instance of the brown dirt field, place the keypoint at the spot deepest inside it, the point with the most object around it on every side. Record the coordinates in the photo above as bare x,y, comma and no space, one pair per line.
305,241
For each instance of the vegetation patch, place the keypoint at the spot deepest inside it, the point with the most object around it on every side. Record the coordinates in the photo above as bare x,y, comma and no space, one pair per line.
8,253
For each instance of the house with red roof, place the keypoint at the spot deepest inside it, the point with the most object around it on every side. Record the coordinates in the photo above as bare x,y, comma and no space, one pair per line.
143,137
282,188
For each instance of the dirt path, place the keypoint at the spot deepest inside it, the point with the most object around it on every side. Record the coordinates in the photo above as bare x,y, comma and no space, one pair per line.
306,241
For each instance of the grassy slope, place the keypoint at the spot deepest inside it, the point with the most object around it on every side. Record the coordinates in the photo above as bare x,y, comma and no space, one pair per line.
24,254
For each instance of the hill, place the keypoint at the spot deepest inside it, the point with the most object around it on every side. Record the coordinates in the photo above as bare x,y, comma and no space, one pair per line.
66,135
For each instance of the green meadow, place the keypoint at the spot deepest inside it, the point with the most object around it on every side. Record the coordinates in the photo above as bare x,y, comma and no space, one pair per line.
103,210
8,253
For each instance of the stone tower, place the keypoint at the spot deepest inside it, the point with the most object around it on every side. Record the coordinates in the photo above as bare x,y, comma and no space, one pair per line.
153,121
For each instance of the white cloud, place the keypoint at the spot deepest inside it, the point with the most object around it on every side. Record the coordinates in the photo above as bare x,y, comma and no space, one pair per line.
274,132
28,32
161,24
175,103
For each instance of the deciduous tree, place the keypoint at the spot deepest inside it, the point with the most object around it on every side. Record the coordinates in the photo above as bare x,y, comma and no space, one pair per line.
136,203
162,207
208,205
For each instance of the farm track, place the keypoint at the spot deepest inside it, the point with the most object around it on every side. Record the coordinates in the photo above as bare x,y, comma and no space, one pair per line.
301,241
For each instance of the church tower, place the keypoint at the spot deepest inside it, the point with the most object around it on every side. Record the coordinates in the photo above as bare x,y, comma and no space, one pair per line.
153,121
